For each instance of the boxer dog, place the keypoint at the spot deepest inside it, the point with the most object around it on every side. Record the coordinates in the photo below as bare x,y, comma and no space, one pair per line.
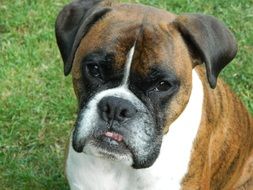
152,114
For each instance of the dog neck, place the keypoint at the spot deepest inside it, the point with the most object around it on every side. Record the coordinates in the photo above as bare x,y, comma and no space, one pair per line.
89,172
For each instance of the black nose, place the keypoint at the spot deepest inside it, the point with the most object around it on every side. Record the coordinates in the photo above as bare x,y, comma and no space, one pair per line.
116,109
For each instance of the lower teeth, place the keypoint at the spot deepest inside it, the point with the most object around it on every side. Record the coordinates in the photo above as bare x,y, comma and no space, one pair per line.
111,141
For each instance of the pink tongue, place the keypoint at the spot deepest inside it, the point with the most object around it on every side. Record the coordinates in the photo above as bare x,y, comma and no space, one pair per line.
114,136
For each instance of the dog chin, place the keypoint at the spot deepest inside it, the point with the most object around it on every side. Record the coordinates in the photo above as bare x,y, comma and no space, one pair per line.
108,149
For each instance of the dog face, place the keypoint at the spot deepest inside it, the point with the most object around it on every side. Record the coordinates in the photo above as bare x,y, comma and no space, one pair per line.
131,69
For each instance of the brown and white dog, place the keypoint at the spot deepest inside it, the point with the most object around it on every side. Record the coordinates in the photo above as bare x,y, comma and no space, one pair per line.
151,116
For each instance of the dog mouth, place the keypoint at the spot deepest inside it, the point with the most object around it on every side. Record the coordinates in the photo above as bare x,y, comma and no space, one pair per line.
113,136
110,138
111,143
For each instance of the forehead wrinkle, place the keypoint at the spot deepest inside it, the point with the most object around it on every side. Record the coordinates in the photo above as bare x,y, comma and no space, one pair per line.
154,48
143,51
122,43
130,56
127,25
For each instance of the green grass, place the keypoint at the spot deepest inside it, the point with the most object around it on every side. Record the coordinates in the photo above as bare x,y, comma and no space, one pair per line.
37,103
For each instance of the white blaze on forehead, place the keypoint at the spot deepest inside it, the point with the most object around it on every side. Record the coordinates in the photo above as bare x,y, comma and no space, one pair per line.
128,65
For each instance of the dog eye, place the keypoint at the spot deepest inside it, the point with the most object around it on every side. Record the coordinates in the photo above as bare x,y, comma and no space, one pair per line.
94,70
162,86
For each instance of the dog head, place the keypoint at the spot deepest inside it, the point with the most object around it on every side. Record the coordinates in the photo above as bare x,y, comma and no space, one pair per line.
131,67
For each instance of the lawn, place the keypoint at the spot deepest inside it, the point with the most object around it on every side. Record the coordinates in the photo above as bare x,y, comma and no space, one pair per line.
37,103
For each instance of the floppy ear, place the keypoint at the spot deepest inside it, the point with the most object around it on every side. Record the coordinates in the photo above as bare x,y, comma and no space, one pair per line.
210,40
72,23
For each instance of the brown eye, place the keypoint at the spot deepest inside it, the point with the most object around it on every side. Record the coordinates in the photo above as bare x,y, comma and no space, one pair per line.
94,70
162,86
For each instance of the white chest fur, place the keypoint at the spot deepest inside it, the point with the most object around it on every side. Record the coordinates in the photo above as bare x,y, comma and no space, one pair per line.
85,172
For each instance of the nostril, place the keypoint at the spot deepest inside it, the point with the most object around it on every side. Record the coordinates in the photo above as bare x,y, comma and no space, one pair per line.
124,113
106,111
127,113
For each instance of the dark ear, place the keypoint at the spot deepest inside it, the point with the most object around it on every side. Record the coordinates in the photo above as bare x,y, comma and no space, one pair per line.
72,23
210,40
